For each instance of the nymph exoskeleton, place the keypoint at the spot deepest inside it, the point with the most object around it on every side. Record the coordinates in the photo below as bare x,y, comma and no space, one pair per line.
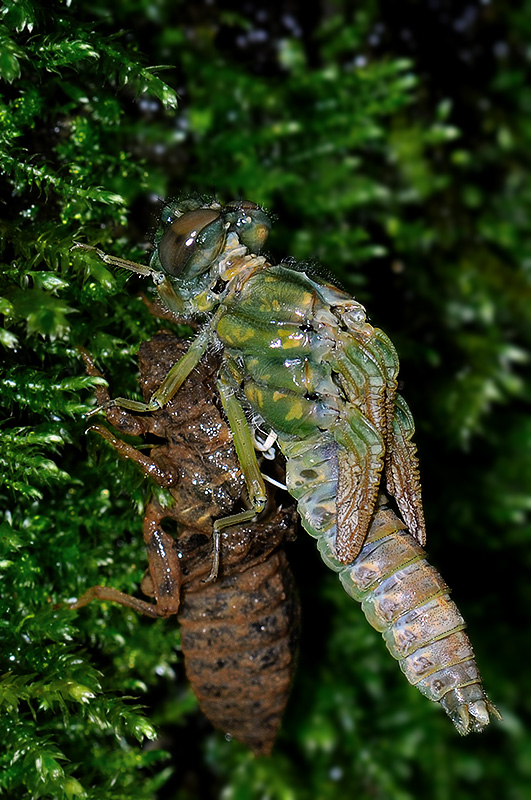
239,634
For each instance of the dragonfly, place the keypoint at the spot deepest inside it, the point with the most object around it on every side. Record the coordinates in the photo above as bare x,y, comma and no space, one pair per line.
304,372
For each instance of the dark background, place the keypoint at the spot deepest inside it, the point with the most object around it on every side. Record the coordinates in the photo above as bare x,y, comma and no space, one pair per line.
390,140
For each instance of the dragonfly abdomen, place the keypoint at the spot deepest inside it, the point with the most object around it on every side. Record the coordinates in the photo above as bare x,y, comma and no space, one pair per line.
311,478
407,600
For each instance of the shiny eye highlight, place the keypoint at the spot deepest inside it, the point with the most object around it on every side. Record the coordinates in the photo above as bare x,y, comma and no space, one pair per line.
192,242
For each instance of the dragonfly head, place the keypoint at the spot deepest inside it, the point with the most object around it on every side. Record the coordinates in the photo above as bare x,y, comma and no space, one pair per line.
192,235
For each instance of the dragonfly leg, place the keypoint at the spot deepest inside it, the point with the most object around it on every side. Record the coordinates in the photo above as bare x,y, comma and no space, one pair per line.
243,442
115,261
119,418
245,450
173,380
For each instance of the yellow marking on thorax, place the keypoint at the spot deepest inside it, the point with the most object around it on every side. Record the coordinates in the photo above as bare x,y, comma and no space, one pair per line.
291,340
266,305
238,334
255,395
306,300
296,411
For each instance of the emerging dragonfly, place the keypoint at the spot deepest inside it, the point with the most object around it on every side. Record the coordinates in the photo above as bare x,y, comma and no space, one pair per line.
301,363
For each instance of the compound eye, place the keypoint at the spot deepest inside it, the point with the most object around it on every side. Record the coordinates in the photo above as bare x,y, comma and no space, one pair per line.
250,223
191,243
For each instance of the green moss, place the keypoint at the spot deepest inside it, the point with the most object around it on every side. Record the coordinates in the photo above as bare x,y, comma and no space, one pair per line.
374,167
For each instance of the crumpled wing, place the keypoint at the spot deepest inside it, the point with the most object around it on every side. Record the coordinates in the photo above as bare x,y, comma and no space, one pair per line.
402,471
360,462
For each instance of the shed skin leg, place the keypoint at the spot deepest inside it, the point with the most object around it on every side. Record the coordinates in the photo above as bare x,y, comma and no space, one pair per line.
165,579
163,562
